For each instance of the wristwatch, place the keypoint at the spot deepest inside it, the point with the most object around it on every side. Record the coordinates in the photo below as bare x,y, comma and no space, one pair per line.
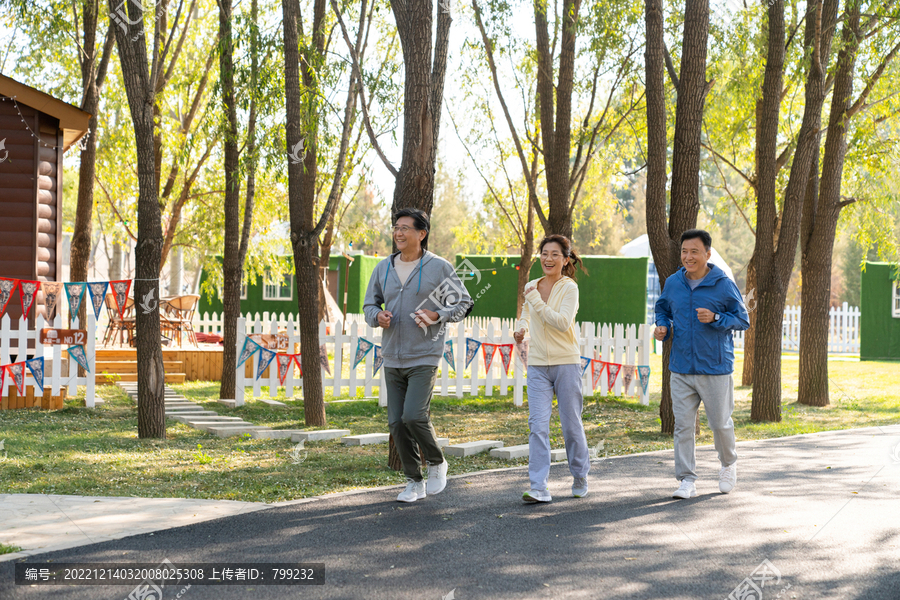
716,317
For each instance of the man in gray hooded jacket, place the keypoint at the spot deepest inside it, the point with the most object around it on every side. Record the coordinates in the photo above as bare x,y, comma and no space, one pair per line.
411,295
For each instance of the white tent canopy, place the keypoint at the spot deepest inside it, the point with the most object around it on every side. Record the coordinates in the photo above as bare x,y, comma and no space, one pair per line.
640,246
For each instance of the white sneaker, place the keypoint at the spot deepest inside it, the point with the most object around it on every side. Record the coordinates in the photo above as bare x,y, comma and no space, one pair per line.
727,478
686,490
534,496
580,487
415,490
437,478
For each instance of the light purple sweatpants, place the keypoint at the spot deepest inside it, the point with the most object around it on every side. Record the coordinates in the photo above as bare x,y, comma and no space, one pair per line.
565,380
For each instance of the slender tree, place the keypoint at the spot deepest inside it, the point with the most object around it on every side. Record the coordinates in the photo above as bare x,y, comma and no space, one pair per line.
93,76
139,78
692,89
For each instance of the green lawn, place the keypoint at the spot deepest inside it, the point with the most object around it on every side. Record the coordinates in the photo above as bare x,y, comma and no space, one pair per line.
96,451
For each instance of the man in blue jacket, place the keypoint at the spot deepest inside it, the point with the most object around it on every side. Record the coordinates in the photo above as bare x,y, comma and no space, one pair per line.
699,308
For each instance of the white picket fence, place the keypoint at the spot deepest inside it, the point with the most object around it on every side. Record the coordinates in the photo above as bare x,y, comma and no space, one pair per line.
15,344
843,333
611,343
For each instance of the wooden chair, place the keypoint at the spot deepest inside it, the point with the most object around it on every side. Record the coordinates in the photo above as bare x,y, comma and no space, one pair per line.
121,328
177,314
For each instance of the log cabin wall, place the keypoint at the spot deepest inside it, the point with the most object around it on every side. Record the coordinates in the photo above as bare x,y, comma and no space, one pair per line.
30,199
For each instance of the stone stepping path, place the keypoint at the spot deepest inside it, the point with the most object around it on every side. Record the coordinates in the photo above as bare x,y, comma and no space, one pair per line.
194,415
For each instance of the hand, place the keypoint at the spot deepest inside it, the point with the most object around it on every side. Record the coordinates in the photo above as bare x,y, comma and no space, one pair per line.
660,332
705,316
425,317
529,288
519,336
384,319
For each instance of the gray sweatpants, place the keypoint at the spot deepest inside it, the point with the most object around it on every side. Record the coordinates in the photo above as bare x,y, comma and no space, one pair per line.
409,394
717,394
565,380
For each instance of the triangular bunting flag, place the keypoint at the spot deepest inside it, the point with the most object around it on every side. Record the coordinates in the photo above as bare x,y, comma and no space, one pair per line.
2,382
97,290
379,360
522,351
77,352
285,361
363,346
7,287
75,293
120,293
485,347
249,349
297,362
265,357
17,372
472,347
644,374
627,377
597,367
36,366
585,361
27,293
448,354
506,351
51,298
323,359
612,372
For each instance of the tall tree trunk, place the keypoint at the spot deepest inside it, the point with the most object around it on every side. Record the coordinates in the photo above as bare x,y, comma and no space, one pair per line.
425,68
132,46
749,334
776,243
660,244
820,216
301,136
692,91
93,76
525,260
231,265
556,110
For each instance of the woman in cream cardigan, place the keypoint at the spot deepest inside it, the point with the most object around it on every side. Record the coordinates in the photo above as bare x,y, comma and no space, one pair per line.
554,366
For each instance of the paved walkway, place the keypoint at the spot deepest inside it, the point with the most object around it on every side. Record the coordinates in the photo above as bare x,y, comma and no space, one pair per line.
822,509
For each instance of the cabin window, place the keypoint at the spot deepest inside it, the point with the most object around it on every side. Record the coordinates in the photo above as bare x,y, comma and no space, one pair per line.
283,290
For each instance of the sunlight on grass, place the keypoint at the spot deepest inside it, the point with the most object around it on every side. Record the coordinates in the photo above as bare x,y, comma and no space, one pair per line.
97,452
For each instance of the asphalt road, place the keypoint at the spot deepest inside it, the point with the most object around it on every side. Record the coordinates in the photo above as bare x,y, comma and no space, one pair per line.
822,509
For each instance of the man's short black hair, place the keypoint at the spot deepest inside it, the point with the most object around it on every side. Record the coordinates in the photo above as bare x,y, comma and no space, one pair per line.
420,221
704,236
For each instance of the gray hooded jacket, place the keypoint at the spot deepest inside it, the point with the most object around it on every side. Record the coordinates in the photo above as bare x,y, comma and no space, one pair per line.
432,285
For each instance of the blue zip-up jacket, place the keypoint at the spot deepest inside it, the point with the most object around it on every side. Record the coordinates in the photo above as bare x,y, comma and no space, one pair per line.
701,348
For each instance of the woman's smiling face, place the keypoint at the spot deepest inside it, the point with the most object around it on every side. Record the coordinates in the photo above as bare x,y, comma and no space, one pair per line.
552,259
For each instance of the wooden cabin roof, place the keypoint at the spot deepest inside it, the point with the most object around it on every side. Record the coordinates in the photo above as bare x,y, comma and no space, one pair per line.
72,120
